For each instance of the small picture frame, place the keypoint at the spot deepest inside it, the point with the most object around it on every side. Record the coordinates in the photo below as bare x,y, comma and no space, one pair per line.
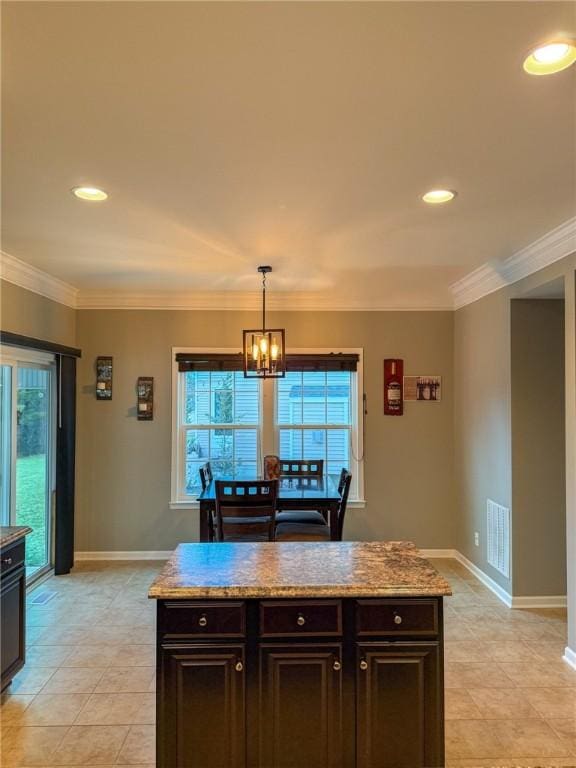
145,392
424,389
104,377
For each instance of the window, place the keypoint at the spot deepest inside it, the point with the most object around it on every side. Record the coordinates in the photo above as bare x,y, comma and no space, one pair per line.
226,399
231,421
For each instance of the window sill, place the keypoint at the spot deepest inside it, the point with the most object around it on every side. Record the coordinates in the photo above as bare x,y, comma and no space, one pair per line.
357,504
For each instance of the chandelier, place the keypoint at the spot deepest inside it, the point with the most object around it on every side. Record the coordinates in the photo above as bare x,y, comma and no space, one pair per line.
264,349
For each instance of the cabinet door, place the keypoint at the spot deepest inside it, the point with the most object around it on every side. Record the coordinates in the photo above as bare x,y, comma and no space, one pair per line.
300,706
201,706
12,641
399,705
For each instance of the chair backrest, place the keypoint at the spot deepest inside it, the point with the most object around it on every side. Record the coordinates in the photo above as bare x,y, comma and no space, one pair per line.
344,491
302,468
205,472
246,509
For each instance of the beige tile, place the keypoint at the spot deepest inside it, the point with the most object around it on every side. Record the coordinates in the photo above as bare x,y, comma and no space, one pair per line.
476,675
90,656
12,706
465,650
54,709
134,656
91,745
61,636
140,746
74,680
502,703
31,679
540,674
553,702
118,709
459,705
509,650
547,650
30,746
126,680
565,728
47,655
471,739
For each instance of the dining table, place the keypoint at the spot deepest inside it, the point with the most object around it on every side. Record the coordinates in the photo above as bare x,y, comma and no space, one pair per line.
294,494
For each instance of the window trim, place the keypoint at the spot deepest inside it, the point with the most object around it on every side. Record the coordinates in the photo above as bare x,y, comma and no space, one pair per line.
268,389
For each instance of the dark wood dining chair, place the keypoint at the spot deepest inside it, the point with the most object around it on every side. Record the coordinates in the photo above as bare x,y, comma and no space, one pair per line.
246,510
206,476
290,531
304,473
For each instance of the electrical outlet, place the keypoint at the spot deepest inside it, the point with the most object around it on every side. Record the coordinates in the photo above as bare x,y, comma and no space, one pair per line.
476,538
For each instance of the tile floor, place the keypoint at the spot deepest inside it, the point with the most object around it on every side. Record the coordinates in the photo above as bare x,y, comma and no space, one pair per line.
86,695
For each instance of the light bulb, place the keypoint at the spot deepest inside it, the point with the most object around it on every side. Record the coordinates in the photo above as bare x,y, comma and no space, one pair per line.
274,350
550,54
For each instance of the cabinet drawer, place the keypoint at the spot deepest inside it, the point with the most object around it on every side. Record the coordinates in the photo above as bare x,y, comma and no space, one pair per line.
397,617
288,618
191,619
12,556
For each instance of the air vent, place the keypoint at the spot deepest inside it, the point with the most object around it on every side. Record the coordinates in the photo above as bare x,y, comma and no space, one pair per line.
498,532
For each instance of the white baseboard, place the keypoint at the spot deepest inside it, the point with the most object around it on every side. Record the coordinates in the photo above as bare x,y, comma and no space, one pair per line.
493,586
449,554
570,657
540,601
131,555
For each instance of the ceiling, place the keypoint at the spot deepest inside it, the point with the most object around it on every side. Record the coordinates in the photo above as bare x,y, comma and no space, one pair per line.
296,134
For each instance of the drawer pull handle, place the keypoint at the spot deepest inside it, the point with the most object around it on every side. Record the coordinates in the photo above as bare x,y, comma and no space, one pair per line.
239,666
337,666
7,561
363,665
203,621
397,618
300,620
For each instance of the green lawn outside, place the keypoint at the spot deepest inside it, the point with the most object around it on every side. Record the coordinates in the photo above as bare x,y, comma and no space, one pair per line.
31,505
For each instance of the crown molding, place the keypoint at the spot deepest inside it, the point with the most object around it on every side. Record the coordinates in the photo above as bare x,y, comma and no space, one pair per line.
26,276
233,301
551,247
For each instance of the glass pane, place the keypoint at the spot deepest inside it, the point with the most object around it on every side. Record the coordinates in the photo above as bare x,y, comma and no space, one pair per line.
231,453
314,400
290,444
32,461
289,399
246,400
314,444
338,450
5,442
338,388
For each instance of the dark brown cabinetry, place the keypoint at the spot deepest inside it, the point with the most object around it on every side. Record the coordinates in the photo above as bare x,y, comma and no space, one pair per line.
292,683
12,610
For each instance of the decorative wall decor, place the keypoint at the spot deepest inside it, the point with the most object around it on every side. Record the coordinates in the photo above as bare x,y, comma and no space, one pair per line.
427,389
104,378
393,387
145,390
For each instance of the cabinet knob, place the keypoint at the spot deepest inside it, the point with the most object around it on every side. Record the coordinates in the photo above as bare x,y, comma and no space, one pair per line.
337,666
239,666
363,665
397,618
7,560
300,620
202,621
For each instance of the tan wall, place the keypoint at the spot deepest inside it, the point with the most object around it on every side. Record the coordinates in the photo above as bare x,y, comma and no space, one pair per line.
483,435
30,314
538,446
123,488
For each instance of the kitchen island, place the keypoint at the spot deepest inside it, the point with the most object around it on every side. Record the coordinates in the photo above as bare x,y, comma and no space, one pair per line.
299,655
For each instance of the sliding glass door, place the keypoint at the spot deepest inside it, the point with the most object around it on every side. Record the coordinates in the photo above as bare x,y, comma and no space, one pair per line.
27,434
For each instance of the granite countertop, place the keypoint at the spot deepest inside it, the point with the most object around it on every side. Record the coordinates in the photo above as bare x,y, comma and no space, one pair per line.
10,533
298,569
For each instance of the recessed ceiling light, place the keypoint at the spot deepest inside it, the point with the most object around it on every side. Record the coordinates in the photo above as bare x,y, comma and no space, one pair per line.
435,196
90,193
551,57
